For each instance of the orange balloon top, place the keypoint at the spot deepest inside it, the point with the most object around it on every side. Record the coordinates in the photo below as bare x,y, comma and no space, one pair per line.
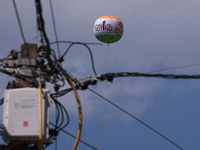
109,17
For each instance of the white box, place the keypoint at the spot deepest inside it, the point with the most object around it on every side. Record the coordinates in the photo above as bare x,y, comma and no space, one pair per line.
21,114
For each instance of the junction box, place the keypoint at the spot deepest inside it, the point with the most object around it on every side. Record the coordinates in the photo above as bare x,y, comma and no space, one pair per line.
21,115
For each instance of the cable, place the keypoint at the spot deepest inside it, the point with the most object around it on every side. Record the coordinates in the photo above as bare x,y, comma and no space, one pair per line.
75,42
1,101
41,21
137,119
138,74
20,26
88,50
74,137
168,68
22,34
62,108
80,113
54,25
41,28
6,72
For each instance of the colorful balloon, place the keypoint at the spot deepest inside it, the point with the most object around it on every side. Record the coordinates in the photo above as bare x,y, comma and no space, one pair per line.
108,29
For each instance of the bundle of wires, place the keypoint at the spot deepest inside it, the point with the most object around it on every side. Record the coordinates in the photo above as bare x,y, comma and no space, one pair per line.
62,118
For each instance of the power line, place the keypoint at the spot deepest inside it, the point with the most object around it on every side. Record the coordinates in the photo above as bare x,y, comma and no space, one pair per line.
54,25
176,67
20,26
136,119
75,42
74,137
41,21
22,34
139,74
41,28
91,56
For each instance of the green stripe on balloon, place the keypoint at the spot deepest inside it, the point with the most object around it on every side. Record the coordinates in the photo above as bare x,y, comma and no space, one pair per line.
108,38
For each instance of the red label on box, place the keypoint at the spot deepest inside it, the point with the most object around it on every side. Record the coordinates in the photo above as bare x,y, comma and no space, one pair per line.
25,124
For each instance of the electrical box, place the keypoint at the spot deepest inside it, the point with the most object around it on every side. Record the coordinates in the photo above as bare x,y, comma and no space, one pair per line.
21,115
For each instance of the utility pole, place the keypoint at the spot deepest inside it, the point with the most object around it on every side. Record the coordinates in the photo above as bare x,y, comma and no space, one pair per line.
28,52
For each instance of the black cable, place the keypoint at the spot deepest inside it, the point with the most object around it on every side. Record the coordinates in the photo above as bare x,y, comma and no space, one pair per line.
91,56
138,74
20,26
62,115
75,137
41,21
62,108
136,119
22,34
110,76
61,93
1,101
75,42
54,25
6,72
57,114
41,28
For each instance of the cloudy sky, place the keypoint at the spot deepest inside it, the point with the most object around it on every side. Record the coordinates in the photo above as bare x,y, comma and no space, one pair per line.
157,34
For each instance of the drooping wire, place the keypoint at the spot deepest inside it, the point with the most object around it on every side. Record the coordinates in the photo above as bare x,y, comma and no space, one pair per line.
88,50
60,109
74,137
75,42
136,119
54,25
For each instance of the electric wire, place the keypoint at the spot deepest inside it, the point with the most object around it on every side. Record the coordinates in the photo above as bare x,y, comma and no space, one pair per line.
20,26
54,25
139,74
1,101
41,28
74,136
6,72
91,56
75,42
41,21
176,67
62,109
22,34
136,119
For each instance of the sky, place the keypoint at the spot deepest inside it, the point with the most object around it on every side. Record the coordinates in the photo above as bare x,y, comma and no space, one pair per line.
157,34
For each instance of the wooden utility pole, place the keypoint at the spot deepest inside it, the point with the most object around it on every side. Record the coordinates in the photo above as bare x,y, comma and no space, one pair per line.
28,51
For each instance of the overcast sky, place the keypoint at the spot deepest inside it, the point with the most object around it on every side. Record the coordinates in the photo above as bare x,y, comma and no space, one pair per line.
157,34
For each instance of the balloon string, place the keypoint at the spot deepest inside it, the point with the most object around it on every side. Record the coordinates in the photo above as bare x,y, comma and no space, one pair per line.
107,97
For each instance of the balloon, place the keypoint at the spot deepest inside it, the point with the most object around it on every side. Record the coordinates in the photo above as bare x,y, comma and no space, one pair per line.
108,29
